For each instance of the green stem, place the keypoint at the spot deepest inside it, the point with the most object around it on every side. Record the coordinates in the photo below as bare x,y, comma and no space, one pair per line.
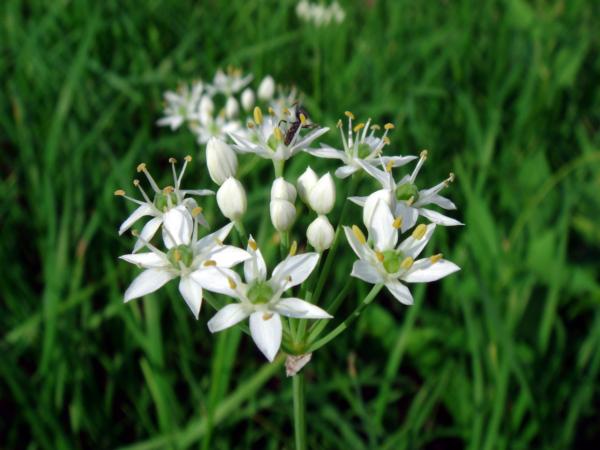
299,411
239,227
278,165
346,323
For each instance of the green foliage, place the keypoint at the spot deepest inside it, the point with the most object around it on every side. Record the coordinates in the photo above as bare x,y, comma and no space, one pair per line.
503,355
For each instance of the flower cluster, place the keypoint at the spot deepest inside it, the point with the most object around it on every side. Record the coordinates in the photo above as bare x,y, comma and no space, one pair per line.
319,14
187,250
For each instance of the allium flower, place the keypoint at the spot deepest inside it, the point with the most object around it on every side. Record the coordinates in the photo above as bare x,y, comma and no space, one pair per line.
221,161
405,199
247,99
276,137
319,14
389,264
261,299
305,183
181,106
320,234
321,197
164,200
230,83
360,148
231,198
218,127
186,257
266,89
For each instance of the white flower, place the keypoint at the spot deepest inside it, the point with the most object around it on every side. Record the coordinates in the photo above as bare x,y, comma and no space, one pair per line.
389,264
266,89
247,99
206,108
282,190
306,182
360,148
218,127
320,234
274,137
231,108
283,214
185,257
181,106
261,299
231,198
405,199
164,200
321,197
318,14
230,83
221,160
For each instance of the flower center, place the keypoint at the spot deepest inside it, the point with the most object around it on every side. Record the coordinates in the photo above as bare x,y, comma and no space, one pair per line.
392,259
364,150
406,191
181,253
161,200
260,293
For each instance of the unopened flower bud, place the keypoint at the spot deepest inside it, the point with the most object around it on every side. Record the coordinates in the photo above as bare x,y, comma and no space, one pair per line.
206,108
221,160
305,183
247,99
283,214
266,89
231,198
320,234
322,196
372,200
231,108
282,190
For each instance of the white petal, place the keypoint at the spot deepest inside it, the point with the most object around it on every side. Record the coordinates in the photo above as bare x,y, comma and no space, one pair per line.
385,178
293,270
408,214
440,201
366,272
397,161
227,317
431,272
228,256
381,227
255,267
359,249
140,211
295,307
147,260
148,232
191,293
360,201
345,171
413,247
266,332
213,239
146,282
177,226
217,280
306,140
439,218
399,291
327,152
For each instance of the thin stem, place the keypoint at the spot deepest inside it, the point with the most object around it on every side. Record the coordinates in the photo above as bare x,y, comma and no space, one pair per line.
299,411
239,227
346,323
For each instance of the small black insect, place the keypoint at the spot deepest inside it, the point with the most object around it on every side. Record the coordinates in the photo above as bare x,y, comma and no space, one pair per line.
301,121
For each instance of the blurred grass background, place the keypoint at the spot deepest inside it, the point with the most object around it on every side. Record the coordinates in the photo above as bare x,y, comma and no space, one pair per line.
503,355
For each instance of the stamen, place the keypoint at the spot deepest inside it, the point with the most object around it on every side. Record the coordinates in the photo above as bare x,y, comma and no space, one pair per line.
137,184
339,123
411,200
419,232
407,263
168,190
386,140
258,116
359,235
349,115
135,233
397,222
267,316
232,284
177,255
209,263
218,241
436,258
422,159
186,160
172,160
389,166
120,193
358,127
252,244
286,111
278,134
271,111
375,127
293,248
142,168
380,256
302,119
389,126
196,211
250,124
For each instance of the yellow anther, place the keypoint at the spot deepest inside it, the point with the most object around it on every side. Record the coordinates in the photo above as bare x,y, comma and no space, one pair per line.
386,140
278,134
436,258
423,154
196,211
375,127
188,158
177,255
232,284
419,232
271,111
218,241
302,119
407,263
267,316
359,235
286,111
349,115
389,126
172,161
141,167
168,189
135,233
252,244
120,192
380,256
411,200
339,123
258,116
397,222
451,177
293,248
136,182
209,263
358,127
389,166
250,124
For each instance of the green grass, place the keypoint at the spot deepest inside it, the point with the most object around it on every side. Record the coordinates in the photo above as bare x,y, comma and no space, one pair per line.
503,355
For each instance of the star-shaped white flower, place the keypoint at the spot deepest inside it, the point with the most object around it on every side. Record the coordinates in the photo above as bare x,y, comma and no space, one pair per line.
186,256
404,198
181,106
217,127
389,264
276,137
164,200
229,83
360,148
261,299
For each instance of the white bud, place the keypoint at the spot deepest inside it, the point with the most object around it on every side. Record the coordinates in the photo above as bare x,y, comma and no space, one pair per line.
283,214
320,234
231,198
206,108
322,196
231,108
221,160
266,89
248,99
369,208
305,183
282,190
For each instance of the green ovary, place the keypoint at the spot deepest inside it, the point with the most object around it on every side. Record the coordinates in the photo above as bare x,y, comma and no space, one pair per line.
364,150
161,200
406,191
260,293
391,261
181,253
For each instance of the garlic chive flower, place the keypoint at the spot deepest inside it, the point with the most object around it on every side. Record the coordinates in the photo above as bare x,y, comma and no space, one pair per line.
360,147
320,234
218,127
231,198
181,106
391,264
221,160
229,83
266,88
163,200
260,298
186,256
405,199
276,137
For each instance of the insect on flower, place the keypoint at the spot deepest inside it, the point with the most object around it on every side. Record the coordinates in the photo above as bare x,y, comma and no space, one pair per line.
302,120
